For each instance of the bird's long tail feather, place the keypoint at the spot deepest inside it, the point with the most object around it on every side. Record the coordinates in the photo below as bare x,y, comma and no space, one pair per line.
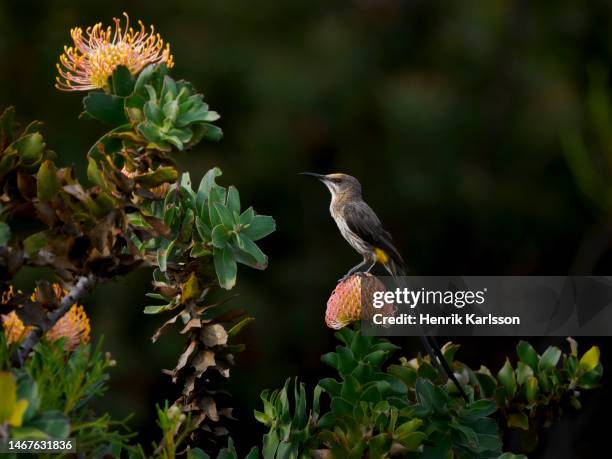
430,343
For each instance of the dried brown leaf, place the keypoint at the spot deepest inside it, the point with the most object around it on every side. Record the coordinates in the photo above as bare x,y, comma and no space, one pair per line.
189,385
214,335
228,413
209,407
223,371
203,361
182,361
193,323
165,327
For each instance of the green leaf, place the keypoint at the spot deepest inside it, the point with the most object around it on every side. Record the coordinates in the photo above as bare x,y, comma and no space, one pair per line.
239,326
30,148
48,185
591,378
203,231
527,354
523,372
331,359
549,358
27,389
53,423
233,200
468,437
35,242
158,176
263,418
225,216
246,259
28,433
206,184
512,456
153,133
478,409
407,375
104,107
212,132
507,379
121,81
163,253
247,216
331,386
486,381
270,444
225,266
519,421
430,396
260,227
407,428
95,175
251,248
197,453
531,389
253,453
589,360
220,235
5,234
449,350
156,309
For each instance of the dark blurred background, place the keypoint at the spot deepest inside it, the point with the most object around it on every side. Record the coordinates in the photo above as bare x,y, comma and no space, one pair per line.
454,116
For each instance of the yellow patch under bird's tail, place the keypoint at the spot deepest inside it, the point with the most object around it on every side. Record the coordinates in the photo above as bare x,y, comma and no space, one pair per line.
381,256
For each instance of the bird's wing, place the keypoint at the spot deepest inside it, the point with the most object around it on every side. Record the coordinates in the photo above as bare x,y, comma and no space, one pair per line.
361,220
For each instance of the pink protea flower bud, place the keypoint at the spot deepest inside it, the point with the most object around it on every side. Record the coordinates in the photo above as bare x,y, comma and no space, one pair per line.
346,301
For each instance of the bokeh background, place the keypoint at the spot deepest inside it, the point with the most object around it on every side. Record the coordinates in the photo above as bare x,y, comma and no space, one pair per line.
481,132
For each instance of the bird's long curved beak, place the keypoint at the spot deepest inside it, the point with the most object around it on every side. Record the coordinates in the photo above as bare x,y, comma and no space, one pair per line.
311,174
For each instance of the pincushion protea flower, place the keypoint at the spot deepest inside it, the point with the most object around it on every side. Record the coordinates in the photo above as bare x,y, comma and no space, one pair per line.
74,326
95,55
14,328
346,301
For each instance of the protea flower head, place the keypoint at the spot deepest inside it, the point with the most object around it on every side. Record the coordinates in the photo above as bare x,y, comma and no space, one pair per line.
14,329
74,326
346,302
97,53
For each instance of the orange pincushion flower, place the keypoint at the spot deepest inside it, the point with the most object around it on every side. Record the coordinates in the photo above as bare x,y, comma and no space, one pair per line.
14,328
74,326
97,54
345,303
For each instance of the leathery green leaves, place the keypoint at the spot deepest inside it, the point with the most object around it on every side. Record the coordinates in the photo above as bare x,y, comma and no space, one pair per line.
231,232
168,113
210,222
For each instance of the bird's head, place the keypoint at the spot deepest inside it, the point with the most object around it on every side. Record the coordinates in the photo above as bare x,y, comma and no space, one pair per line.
338,184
